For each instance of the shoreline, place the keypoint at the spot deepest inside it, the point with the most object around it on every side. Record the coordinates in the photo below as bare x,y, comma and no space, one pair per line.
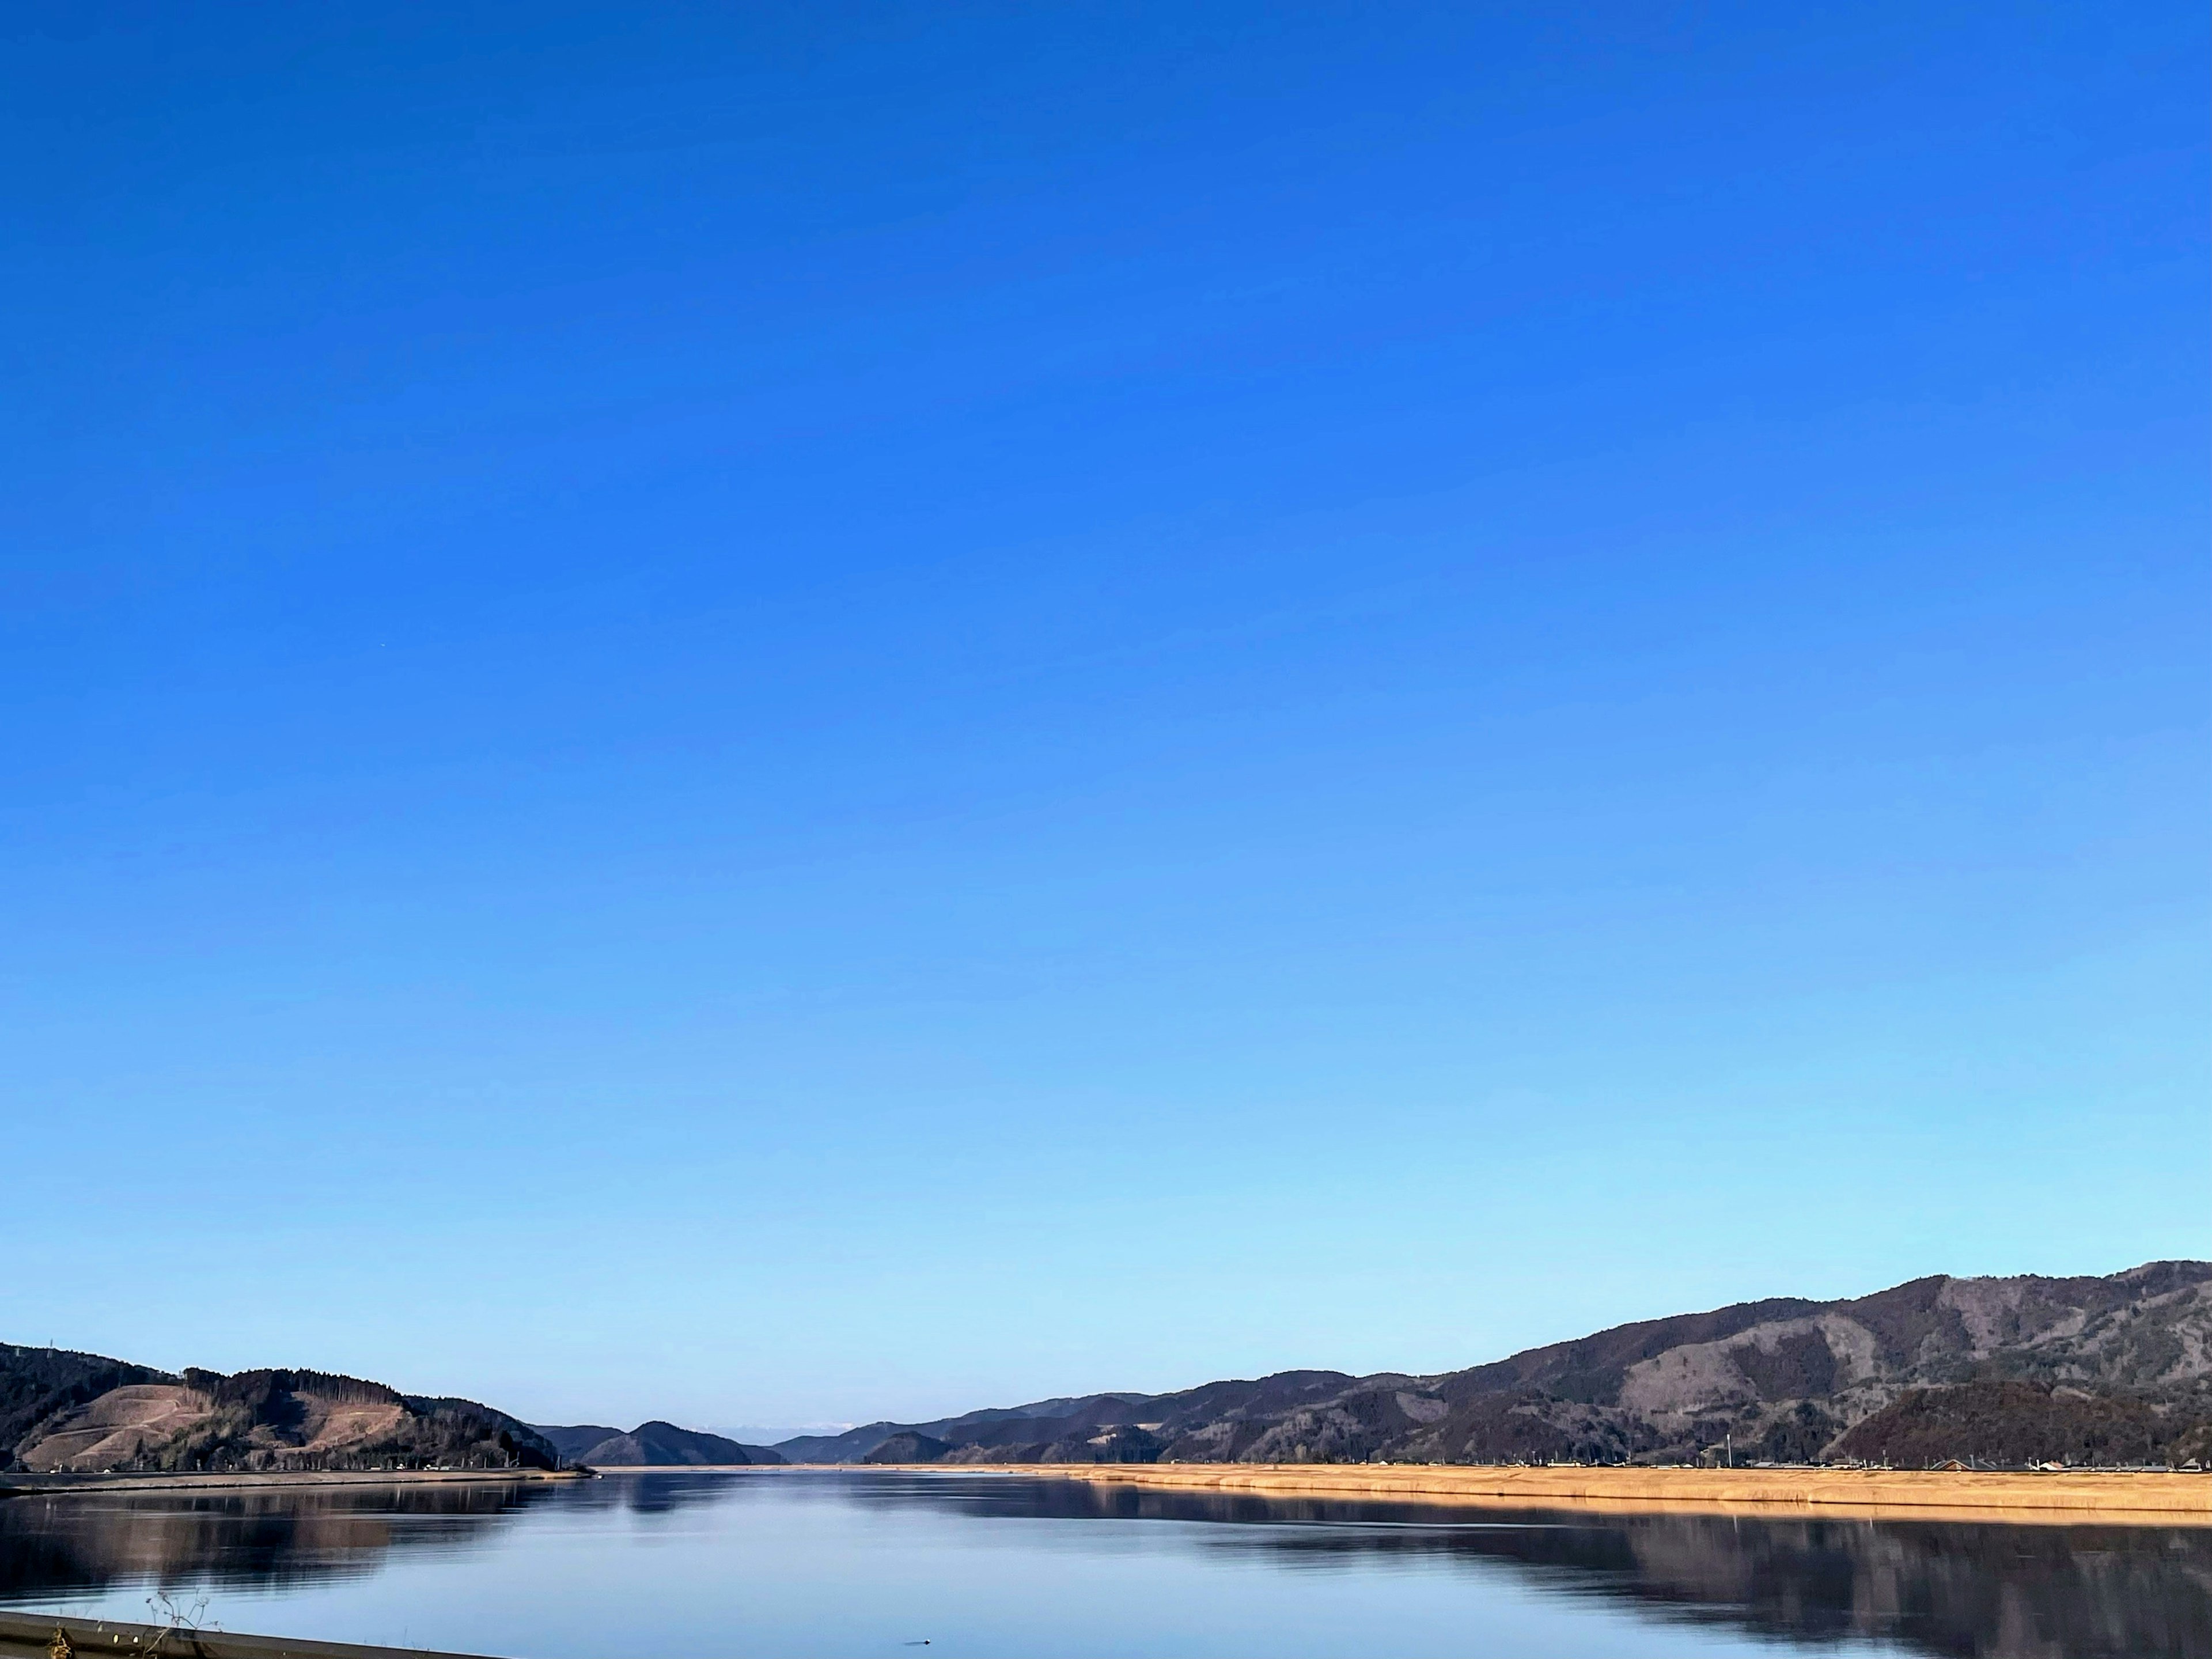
2068,1498
47,1486
32,1633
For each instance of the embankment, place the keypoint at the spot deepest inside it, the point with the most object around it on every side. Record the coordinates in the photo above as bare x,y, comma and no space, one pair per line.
33,1633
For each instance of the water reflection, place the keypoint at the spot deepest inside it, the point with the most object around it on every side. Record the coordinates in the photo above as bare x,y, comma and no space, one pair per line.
1934,1588
52,1548
55,1547
1937,1587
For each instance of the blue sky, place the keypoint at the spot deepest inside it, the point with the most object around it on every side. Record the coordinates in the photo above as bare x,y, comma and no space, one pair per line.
775,715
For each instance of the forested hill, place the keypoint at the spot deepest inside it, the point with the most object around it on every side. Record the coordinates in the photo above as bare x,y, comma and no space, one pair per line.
650,1445
79,1411
2108,1370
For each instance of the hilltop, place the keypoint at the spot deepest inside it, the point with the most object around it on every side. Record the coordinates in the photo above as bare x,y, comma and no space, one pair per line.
80,1412
2109,1370
655,1444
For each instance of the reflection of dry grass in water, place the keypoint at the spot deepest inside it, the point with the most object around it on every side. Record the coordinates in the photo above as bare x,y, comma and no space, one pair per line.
2167,1499
2067,1498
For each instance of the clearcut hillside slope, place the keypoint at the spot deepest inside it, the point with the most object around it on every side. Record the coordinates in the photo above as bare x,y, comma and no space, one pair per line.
62,1412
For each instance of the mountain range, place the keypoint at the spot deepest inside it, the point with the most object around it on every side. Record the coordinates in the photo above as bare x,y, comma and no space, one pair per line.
2112,1370
2109,1370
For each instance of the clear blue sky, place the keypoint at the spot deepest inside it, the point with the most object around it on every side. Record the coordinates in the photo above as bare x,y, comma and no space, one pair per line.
778,714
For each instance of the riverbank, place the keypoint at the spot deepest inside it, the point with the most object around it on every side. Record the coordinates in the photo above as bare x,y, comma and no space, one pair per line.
32,1633
2068,1498
25,1485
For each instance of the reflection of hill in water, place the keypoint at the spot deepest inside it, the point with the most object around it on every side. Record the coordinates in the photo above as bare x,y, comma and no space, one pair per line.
52,1548
1943,1588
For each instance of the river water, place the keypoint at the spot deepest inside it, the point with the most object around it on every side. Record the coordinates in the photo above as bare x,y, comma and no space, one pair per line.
859,1562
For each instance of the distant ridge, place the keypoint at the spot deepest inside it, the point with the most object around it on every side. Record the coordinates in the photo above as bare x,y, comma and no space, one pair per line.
2111,1370
572,1441
654,1444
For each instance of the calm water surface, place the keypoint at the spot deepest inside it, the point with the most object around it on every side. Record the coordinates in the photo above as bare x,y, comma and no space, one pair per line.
859,1562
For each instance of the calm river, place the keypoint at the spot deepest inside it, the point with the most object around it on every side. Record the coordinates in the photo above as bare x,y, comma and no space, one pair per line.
859,1563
